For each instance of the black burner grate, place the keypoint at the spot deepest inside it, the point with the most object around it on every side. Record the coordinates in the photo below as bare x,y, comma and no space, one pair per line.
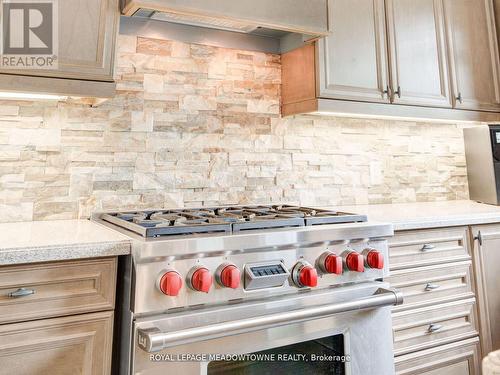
155,223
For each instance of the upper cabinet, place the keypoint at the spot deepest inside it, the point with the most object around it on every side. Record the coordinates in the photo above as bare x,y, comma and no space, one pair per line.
353,62
434,59
86,48
419,69
472,42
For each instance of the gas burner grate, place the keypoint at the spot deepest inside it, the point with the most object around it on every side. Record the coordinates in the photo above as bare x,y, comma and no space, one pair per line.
154,223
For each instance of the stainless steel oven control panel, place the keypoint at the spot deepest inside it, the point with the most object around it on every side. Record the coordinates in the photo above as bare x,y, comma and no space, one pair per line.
265,275
215,278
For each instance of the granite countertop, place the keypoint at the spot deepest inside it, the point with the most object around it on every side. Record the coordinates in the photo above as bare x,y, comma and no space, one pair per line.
422,215
42,241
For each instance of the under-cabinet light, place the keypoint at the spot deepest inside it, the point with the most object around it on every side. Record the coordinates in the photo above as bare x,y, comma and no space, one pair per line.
30,96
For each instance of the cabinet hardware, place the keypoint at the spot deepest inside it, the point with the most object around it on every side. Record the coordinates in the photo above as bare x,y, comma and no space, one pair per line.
479,238
459,98
387,92
434,328
398,92
431,286
427,246
21,292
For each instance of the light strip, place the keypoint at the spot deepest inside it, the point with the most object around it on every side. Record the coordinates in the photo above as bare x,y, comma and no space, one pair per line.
30,96
385,117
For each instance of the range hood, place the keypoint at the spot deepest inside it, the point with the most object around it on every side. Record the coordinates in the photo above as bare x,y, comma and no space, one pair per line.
289,23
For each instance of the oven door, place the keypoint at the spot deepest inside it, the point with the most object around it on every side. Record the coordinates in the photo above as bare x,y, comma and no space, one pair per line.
337,331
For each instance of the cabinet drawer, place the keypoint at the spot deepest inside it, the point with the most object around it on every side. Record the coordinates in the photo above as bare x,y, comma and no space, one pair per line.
431,285
54,289
458,358
426,327
408,249
78,344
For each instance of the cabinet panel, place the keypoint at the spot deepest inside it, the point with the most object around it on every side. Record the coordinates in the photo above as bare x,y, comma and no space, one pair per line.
415,248
431,285
87,36
353,60
419,67
486,257
473,50
38,291
426,327
460,358
78,344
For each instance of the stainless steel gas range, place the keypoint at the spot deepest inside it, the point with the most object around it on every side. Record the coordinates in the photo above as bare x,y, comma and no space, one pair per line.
254,289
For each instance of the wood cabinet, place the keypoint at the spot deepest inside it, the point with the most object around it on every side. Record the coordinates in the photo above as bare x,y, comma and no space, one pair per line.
86,49
486,257
459,358
57,318
36,291
433,59
417,49
436,330
79,344
473,50
353,65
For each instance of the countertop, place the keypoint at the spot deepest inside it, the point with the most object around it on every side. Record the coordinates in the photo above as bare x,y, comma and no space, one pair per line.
422,215
42,241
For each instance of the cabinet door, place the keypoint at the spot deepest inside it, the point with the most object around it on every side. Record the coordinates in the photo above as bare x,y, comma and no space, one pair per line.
486,257
418,61
458,358
87,36
353,60
79,344
473,51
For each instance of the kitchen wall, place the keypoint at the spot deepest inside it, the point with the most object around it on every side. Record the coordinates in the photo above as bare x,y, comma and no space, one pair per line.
196,125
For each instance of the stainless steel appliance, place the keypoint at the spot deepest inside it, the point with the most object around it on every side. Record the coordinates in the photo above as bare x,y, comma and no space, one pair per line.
267,289
482,153
272,26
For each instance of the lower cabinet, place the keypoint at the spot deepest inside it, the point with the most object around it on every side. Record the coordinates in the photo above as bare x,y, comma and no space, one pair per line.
460,358
79,344
57,318
436,330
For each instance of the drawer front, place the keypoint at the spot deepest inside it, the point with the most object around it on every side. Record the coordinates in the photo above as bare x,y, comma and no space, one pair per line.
78,344
55,289
408,249
459,358
431,285
426,327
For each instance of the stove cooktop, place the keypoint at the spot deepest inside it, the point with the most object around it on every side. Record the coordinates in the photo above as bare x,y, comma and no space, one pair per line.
156,223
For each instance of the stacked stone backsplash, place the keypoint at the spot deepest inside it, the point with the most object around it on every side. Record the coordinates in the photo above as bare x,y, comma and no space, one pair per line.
195,125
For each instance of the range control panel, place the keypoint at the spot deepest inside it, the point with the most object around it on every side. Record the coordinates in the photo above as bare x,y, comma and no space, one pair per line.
218,279
265,275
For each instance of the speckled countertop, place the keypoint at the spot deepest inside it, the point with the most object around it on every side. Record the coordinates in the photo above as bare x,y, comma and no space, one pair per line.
422,215
42,241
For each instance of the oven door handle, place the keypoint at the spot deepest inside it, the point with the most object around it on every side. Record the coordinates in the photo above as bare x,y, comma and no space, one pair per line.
154,340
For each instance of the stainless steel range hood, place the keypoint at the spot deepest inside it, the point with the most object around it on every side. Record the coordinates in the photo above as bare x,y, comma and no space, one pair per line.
289,23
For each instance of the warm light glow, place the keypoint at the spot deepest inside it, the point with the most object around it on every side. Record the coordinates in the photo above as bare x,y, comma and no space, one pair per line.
382,117
30,96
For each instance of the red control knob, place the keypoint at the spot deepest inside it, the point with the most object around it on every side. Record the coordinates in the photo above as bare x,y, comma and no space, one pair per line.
355,262
333,264
170,283
308,276
230,277
375,259
201,280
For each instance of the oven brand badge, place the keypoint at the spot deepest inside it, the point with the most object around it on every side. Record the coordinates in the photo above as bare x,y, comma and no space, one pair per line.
29,34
